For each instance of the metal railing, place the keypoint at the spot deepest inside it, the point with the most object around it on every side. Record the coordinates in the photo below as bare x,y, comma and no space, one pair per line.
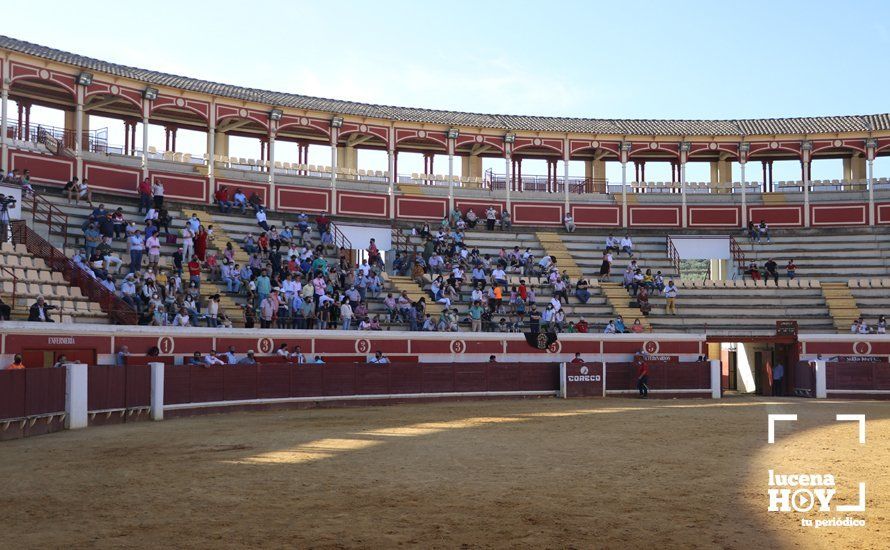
15,282
43,212
58,139
672,254
738,255
119,312
340,240
539,184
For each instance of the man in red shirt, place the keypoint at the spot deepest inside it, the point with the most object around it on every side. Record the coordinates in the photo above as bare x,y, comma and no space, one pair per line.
195,271
222,199
582,327
642,376
144,195
322,221
577,360
523,290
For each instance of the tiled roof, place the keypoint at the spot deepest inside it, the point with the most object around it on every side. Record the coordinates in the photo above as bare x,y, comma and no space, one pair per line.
803,125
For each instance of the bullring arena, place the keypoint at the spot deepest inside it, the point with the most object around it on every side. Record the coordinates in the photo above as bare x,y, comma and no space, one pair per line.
316,348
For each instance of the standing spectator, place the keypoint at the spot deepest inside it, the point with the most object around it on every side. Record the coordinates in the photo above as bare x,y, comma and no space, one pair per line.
201,243
346,314
670,294
491,216
144,195
194,267
137,248
475,313
569,222
778,375
642,376
157,193
268,309
153,244
188,242
772,270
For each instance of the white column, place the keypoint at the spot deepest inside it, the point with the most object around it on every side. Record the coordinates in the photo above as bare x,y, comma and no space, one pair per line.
806,189
334,170
821,383
392,182
507,178
565,177
78,141
211,152
715,378
4,144
450,176
683,213
871,185
144,147
744,196
623,190
157,391
271,158
563,382
76,390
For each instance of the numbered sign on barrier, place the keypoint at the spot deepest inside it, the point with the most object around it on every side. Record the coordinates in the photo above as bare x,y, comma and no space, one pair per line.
582,380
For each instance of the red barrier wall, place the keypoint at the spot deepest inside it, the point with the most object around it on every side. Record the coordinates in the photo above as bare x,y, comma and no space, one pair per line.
30,392
118,387
668,379
188,384
859,377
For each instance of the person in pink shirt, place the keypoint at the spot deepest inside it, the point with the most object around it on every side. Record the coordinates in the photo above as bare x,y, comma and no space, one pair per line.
153,244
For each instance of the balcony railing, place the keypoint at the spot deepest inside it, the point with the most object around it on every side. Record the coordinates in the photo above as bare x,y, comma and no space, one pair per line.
119,312
58,139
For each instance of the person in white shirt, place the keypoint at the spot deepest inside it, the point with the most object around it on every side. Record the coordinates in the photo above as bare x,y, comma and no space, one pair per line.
194,223
670,295
212,312
157,191
491,217
153,244
282,351
261,219
612,243
499,277
297,355
569,222
230,356
136,243
211,359
556,303
346,315
610,328
182,318
379,358
627,245
188,243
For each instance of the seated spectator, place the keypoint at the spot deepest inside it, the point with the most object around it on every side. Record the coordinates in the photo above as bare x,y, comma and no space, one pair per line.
881,327
5,311
772,270
791,269
196,360
222,199
249,359
753,271
472,219
581,326
613,244
643,300
506,220
763,232
39,311
569,222
637,327
753,234
627,245
610,328
619,325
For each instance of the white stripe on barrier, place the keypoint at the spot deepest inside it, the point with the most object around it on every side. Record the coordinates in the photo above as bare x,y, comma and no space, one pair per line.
284,400
863,392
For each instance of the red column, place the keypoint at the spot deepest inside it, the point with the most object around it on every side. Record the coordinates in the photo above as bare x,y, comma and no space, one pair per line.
643,170
173,139
763,185
519,174
21,121
27,122
548,176
395,165
126,138
133,137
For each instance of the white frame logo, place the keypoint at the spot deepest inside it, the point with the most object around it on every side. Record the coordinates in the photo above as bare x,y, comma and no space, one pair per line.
812,492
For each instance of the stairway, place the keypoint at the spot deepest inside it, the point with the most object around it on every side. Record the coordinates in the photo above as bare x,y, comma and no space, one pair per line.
841,305
415,293
226,303
552,244
619,299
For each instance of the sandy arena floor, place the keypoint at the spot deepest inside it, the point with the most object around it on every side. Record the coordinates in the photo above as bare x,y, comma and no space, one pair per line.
527,473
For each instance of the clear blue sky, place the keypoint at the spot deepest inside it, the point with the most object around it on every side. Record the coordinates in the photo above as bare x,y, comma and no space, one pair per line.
595,59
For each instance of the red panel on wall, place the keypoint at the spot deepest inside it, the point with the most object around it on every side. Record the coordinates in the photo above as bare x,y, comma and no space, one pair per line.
112,178
537,214
303,200
360,204
714,216
15,343
882,213
43,169
412,208
653,216
839,214
777,216
176,186
608,216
